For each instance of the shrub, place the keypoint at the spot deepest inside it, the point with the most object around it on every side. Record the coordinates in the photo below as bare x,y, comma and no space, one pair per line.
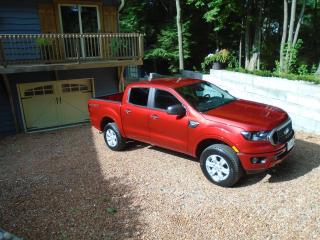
222,56
265,73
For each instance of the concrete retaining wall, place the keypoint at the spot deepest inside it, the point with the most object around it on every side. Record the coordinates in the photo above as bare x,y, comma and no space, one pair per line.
299,98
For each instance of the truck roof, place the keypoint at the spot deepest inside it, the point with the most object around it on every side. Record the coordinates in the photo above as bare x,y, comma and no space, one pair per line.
166,82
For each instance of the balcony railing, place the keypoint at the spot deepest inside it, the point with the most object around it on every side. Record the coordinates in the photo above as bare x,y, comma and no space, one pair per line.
17,49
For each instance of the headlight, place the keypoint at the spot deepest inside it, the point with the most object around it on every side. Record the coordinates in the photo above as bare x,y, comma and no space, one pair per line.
256,136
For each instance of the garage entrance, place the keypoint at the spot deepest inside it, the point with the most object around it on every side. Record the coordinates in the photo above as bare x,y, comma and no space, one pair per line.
55,103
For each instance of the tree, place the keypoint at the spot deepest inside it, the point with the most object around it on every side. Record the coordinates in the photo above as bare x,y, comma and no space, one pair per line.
254,50
288,45
181,64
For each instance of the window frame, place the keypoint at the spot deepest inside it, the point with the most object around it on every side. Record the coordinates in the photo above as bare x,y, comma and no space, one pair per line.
148,100
99,23
153,101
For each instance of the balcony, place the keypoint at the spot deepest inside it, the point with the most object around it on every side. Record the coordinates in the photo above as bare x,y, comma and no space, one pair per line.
47,52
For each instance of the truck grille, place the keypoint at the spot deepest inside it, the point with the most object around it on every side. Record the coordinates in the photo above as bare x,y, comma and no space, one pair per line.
282,133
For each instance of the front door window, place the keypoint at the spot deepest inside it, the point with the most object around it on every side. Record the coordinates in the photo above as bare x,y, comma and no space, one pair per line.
80,19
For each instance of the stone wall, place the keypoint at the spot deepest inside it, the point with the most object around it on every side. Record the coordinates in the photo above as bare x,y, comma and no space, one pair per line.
299,98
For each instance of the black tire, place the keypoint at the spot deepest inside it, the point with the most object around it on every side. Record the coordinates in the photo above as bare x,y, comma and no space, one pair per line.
119,143
223,158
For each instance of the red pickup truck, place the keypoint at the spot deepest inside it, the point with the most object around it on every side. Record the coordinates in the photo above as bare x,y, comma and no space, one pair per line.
230,136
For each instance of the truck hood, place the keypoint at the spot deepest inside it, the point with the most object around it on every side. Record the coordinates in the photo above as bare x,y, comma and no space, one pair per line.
250,116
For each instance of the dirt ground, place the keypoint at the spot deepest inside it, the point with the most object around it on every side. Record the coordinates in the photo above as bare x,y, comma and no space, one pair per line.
66,184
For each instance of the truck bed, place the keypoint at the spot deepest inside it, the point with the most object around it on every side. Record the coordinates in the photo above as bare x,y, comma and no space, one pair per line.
116,97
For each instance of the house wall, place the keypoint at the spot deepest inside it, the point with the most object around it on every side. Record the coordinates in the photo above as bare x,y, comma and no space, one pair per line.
6,121
22,17
19,17
105,82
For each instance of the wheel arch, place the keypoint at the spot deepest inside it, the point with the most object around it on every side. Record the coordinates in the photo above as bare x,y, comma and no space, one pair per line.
104,121
204,143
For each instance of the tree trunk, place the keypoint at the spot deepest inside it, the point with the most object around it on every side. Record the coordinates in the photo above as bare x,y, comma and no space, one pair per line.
256,47
240,52
247,47
296,33
318,71
284,34
179,28
290,34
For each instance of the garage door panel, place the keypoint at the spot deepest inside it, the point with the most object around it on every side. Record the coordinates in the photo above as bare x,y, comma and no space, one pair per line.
40,113
55,103
39,104
74,108
74,98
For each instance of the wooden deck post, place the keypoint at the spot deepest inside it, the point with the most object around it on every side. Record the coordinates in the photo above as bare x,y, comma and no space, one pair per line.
13,109
2,57
121,78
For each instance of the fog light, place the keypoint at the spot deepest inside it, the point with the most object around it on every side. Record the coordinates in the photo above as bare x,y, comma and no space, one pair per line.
258,160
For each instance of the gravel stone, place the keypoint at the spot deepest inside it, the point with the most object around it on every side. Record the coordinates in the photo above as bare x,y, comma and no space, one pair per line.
60,185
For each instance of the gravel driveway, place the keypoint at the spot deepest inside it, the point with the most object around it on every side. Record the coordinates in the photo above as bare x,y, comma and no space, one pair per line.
67,185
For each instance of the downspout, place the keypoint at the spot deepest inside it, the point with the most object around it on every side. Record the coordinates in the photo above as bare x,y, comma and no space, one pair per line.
121,5
119,9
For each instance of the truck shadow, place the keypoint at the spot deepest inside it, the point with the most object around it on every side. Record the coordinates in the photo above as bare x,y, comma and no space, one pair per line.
304,158
135,145
53,187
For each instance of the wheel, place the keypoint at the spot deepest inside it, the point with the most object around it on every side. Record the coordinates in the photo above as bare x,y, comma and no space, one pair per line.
221,165
113,138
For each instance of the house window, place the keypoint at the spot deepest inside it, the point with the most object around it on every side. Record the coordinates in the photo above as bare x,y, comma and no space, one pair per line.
132,72
81,19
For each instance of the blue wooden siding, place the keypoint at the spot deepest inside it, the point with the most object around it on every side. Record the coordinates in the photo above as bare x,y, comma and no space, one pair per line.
19,17
105,82
6,121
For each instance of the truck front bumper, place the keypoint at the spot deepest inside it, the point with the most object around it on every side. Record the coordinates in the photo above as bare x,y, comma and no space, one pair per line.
258,162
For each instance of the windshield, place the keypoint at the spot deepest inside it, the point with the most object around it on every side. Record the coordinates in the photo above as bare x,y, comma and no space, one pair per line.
204,96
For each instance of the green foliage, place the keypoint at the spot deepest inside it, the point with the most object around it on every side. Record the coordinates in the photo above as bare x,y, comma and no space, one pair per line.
220,24
314,69
277,68
303,69
233,60
166,46
217,11
133,16
265,73
293,56
44,41
111,211
222,56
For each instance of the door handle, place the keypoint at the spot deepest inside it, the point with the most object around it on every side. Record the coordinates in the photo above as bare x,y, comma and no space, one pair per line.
128,111
57,100
154,117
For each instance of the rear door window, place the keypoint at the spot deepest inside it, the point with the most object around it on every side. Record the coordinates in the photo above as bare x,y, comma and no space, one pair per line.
139,96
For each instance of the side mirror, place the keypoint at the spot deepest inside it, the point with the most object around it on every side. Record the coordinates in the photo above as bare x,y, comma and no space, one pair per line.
177,109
